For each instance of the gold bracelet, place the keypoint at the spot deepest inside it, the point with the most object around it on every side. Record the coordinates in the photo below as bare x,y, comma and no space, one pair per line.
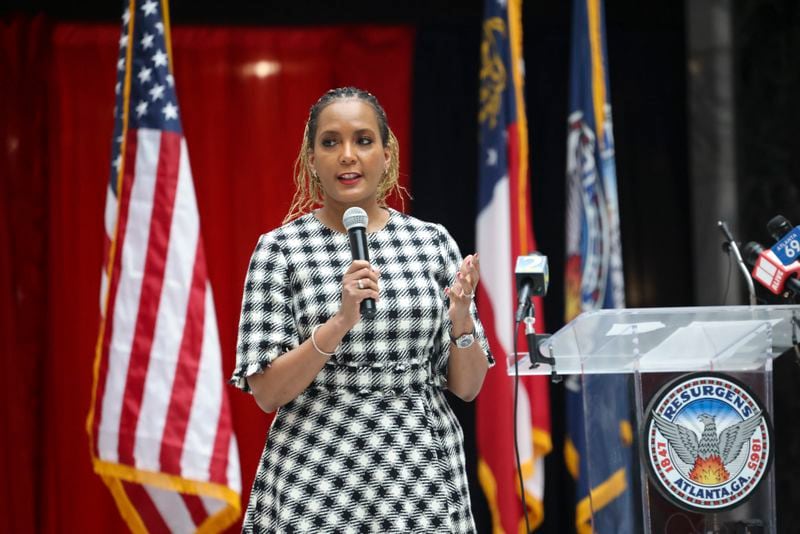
314,342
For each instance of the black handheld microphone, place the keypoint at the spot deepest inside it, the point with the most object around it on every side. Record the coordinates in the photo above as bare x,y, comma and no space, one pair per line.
355,221
532,276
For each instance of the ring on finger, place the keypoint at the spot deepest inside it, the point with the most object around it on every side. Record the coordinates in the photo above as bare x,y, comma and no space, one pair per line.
360,284
468,295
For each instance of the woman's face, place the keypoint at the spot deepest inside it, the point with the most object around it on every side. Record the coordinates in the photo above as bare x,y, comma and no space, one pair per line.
348,154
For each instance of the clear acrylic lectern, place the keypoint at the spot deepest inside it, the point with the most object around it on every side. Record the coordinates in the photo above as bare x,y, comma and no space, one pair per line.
647,348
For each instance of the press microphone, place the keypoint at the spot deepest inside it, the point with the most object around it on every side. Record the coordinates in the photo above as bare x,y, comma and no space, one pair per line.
787,248
532,276
355,221
778,227
770,271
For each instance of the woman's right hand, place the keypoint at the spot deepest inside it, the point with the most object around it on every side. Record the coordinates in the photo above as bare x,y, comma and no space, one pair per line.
360,273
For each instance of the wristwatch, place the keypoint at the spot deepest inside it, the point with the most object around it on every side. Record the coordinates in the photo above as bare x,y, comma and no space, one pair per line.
465,340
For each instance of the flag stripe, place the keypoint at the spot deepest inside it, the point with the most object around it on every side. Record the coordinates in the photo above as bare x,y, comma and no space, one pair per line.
166,182
212,506
174,305
205,412
186,372
129,270
105,407
171,508
514,204
497,453
223,441
110,219
146,508
540,409
232,473
496,269
209,405
518,161
195,508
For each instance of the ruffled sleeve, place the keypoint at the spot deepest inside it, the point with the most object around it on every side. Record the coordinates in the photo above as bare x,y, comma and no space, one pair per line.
267,326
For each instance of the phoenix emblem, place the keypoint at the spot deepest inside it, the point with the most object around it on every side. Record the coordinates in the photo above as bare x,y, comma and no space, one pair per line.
712,452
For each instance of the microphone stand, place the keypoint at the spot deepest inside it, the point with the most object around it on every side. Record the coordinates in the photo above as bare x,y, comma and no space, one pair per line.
534,340
730,244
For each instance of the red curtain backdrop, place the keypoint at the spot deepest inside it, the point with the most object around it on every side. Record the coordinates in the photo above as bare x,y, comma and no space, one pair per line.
23,266
244,95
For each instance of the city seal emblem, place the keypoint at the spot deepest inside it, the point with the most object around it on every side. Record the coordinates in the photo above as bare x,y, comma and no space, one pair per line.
707,442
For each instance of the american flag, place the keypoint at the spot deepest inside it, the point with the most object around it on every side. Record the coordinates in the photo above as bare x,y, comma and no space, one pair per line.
505,231
159,425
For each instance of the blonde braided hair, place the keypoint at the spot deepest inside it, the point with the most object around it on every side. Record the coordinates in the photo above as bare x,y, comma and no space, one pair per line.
308,189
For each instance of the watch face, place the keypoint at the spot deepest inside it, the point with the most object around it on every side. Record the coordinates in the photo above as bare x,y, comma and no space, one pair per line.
465,341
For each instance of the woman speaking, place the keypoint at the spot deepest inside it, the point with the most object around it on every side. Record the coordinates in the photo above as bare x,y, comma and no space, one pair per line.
364,440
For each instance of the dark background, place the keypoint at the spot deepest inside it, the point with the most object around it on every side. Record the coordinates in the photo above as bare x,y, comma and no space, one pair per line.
648,89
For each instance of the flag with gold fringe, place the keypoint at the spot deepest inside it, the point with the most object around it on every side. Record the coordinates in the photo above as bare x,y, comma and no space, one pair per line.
505,231
593,280
159,426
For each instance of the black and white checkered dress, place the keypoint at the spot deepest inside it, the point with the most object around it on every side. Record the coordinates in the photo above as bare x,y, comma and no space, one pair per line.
371,445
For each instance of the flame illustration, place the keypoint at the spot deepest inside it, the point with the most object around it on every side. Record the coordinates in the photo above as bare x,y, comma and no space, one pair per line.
709,471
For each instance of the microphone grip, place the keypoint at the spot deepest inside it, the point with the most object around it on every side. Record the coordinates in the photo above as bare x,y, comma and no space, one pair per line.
368,309
524,301
359,251
793,285
358,244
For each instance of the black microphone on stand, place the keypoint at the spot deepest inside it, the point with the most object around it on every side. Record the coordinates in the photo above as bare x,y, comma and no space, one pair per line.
532,276
355,221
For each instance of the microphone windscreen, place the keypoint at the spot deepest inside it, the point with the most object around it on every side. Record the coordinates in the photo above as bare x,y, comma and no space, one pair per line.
778,227
355,217
750,252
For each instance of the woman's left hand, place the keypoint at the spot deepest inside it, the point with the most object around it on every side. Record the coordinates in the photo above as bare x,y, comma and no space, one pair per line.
461,294
465,373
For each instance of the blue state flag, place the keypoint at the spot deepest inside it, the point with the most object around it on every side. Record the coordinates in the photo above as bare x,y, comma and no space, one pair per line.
601,466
